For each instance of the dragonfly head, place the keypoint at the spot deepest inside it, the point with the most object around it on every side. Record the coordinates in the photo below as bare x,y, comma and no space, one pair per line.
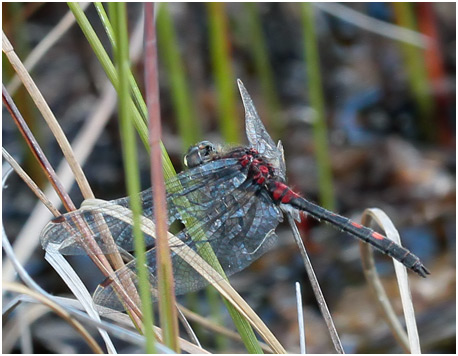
199,154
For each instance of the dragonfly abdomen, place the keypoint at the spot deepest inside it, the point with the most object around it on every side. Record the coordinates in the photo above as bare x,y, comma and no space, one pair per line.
281,193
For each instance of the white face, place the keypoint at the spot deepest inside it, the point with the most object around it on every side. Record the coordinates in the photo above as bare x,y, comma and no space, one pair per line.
199,154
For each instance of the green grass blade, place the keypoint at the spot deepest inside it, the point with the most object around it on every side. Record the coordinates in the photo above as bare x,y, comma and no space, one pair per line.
245,330
104,59
414,59
188,125
119,16
223,73
264,72
317,102
214,302
106,23
136,93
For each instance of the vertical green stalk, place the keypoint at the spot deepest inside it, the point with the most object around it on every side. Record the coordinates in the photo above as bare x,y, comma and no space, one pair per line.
222,71
118,15
264,72
214,302
136,93
317,102
188,125
416,70
106,63
192,303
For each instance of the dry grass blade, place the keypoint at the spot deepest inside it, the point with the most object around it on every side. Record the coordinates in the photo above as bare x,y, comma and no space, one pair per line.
87,240
43,161
123,332
34,146
99,259
316,288
43,106
206,323
40,50
83,144
32,185
36,149
12,330
166,287
413,343
196,262
192,335
18,288
74,283
74,279
300,318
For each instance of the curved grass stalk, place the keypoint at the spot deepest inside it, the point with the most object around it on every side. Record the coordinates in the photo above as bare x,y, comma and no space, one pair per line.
409,342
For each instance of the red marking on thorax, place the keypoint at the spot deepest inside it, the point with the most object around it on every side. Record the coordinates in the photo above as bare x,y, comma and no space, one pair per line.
245,160
264,170
377,236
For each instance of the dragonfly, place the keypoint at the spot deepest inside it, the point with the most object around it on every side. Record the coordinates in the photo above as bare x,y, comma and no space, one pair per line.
230,198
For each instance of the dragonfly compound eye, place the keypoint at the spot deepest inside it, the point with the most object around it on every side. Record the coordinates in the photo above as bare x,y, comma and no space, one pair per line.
199,154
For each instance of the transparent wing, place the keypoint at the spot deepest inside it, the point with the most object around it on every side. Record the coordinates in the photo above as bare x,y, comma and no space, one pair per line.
257,135
238,235
189,196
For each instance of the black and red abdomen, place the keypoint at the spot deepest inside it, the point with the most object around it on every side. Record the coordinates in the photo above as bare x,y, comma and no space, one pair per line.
280,192
262,173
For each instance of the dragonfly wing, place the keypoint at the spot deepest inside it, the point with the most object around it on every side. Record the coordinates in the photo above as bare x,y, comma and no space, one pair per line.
258,136
202,201
243,244
238,235
67,233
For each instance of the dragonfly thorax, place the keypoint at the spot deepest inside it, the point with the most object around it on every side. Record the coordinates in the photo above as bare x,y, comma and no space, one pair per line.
259,169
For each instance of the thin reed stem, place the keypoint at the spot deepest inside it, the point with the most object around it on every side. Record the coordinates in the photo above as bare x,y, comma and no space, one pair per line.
320,136
166,288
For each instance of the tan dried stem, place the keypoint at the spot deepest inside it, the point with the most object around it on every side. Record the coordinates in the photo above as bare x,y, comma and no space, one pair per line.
410,341
19,288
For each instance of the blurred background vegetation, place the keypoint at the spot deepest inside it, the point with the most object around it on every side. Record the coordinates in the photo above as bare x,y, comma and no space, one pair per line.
362,96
